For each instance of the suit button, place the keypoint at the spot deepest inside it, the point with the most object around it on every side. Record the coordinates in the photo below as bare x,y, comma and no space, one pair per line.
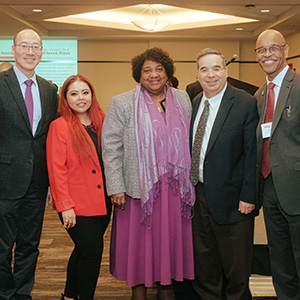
31,160
94,171
98,186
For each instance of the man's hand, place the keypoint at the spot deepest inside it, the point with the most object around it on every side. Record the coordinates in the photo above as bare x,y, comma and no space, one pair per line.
246,208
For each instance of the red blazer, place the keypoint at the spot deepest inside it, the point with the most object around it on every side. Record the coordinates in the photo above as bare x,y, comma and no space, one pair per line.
74,183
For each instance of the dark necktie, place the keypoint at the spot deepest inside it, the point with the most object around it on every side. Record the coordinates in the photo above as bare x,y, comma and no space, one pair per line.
265,164
196,150
29,100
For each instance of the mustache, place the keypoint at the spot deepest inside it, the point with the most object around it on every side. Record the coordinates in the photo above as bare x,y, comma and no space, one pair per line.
268,59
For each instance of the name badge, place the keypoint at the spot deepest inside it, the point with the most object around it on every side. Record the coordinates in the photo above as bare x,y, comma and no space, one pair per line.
266,130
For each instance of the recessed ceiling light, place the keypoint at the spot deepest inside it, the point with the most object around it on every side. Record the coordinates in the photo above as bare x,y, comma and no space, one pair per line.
239,28
264,10
37,10
179,18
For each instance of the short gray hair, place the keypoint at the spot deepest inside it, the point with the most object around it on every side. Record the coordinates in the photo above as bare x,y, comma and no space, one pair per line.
209,51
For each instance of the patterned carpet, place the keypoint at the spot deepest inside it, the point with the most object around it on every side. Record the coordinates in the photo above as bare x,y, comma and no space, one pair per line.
56,247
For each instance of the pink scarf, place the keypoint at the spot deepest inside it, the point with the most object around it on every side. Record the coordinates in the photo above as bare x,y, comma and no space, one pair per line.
163,148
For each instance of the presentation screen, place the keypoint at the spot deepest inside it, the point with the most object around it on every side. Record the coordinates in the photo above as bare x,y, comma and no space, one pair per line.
59,59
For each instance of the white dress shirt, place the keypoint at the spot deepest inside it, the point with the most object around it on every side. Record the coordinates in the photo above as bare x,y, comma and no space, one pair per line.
214,104
37,110
278,82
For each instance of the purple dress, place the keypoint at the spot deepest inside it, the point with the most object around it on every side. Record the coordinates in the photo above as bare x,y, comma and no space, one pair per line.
139,255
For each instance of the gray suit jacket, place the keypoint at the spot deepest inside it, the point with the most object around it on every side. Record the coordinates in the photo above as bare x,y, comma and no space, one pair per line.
21,153
285,142
119,149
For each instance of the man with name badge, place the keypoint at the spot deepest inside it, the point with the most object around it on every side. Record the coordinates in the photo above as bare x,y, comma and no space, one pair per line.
278,172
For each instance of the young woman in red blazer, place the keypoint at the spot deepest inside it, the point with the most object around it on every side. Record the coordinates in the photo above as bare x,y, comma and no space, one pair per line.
77,182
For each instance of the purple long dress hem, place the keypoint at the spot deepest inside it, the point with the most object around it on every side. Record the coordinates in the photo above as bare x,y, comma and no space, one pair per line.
139,255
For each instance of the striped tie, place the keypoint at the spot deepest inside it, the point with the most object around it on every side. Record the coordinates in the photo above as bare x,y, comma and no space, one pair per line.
29,100
195,163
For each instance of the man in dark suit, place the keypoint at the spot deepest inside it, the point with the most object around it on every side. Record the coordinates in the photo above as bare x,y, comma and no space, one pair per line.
28,103
278,142
193,89
223,172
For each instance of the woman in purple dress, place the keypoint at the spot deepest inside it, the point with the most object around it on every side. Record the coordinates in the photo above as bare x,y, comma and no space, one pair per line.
145,144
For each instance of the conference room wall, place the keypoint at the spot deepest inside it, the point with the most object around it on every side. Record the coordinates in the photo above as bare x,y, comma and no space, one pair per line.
107,63
293,41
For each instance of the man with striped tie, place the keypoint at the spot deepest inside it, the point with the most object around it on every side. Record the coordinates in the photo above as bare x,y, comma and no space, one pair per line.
223,143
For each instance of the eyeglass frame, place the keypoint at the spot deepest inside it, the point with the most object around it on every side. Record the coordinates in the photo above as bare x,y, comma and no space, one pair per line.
25,47
277,49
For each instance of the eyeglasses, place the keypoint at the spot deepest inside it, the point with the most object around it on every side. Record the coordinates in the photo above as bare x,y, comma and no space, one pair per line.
273,49
25,47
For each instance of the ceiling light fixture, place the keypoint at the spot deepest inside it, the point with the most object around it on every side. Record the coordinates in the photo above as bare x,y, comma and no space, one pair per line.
37,10
265,10
151,19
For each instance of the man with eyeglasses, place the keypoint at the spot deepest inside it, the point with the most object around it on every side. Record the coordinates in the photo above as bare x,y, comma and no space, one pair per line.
28,103
278,173
223,143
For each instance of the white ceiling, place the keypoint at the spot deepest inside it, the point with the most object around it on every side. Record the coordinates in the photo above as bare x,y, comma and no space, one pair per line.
17,15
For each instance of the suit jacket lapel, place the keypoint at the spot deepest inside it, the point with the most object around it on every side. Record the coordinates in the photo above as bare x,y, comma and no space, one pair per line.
14,86
94,154
196,104
224,109
261,103
261,107
43,97
282,97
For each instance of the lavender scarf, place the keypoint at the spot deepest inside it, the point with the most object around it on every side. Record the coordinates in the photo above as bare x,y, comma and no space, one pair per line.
163,148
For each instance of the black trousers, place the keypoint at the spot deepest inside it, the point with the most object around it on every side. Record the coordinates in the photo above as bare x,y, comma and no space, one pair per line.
284,245
222,254
84,263
20,224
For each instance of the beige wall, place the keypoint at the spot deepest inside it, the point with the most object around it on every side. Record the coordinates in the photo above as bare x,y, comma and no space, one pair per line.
250,72
294,49
111,75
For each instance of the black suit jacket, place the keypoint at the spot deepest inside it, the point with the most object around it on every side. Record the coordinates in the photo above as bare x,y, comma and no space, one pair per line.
284,147
193,89
230,160
22,154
